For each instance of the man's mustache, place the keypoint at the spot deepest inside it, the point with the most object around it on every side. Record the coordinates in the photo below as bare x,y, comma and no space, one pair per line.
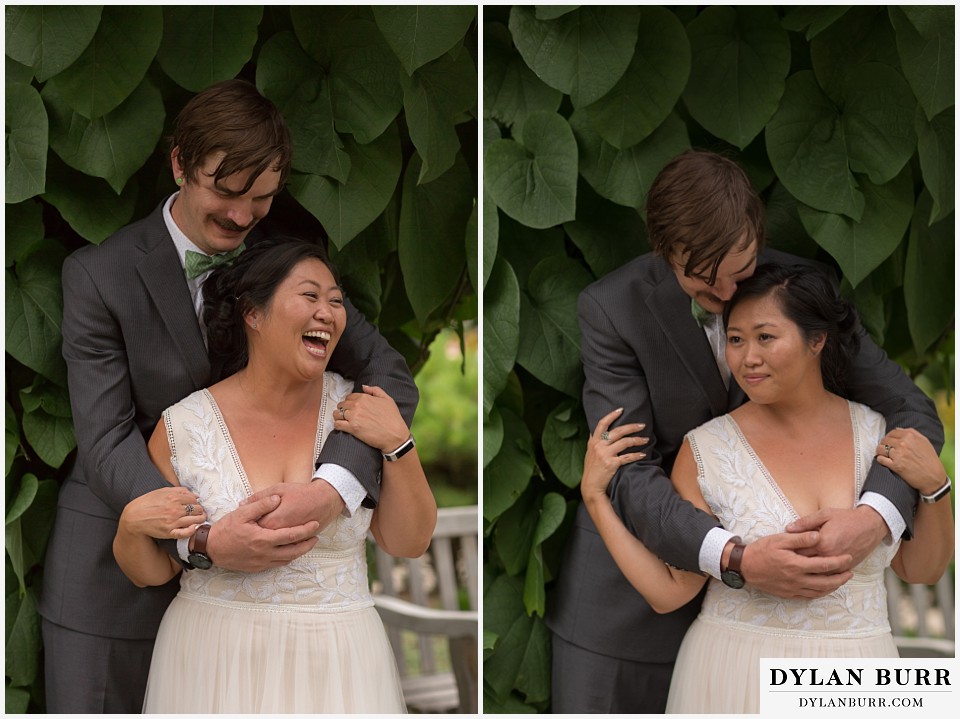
231,225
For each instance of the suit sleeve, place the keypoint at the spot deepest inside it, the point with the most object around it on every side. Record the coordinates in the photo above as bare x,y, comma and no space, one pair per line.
641,492
364,356
878,382
110,445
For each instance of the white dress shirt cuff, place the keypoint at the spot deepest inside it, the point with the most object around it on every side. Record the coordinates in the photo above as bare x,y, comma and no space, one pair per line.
346,484
891,515
183,548
711,551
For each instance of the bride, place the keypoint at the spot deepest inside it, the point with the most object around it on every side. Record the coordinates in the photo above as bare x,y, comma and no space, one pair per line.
302,637
796,447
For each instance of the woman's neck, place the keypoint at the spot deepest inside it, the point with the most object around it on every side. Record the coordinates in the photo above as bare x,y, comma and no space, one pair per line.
799,412
275,394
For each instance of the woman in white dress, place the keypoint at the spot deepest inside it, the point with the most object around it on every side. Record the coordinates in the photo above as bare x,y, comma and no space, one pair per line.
794,448
302,637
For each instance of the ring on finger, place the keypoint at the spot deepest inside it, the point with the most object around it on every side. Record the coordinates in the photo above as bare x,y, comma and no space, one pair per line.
605,436
886,449
189,508
343,413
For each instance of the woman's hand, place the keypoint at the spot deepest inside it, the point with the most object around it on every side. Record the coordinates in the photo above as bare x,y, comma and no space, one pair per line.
373,418
168,513
603,457
910,455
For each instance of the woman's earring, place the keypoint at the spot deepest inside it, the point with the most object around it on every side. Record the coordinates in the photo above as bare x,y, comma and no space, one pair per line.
254,325
180,182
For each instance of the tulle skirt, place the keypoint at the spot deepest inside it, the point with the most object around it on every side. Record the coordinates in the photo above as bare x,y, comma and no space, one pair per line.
718,666
219,657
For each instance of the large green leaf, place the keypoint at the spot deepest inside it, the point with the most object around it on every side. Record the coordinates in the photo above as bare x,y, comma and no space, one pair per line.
741,57
437,93
421,33
23,645
48,38
509,473
549,518
12,432
549,335
470,242
205,44
925,43
928,280
624,176
93,210
17,700
23,499
511,90
113,146
607,235
583,53
935,143
862,34
785,231
564,441
648,91
433,218
363,72
15,72
807,147
115,61
535,180
491,216
860,247
513,533
23,228
501,330
346,208
47,423
492,436
34,308
524,247
812,18
27,134
296,85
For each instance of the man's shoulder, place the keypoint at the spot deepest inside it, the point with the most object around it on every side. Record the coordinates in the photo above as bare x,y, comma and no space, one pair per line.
126,244
647,269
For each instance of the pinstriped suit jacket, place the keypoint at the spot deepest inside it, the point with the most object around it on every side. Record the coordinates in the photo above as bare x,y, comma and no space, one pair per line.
642,350
133,347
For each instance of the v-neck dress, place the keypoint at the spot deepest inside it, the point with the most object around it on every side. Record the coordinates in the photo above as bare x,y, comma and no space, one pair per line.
302,638
718,666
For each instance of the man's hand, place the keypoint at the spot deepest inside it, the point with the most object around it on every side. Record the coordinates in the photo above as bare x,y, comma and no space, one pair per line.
774,565
300,503
856,532
237,542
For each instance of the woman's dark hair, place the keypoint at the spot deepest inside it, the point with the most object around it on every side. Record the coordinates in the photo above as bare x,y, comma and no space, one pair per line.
808,299
250,282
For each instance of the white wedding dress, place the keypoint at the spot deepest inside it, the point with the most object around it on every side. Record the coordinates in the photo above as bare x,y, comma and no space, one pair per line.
303,638
718,666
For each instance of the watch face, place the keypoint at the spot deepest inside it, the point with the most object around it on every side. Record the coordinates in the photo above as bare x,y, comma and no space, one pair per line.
732,579
199,561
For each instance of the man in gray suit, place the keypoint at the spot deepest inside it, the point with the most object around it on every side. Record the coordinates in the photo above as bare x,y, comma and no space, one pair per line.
133,345
653,343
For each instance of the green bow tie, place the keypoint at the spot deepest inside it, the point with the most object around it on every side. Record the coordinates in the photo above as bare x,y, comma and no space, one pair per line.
699,314
197,263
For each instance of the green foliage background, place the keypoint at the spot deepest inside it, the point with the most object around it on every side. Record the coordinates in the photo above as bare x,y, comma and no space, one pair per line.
382,105
844,120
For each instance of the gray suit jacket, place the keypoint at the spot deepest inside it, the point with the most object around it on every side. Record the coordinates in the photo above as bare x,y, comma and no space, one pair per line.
133,347
642,350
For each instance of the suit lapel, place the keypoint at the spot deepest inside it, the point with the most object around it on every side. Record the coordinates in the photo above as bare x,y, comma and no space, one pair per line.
162,275
670,307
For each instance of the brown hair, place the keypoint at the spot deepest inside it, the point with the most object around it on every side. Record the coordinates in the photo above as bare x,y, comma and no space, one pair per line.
702,203
234,118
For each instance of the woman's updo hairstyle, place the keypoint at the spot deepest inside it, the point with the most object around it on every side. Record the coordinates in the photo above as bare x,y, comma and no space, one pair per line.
249,283
808,299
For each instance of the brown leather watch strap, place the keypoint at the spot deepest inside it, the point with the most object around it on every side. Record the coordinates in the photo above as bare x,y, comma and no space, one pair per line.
736,556
200,538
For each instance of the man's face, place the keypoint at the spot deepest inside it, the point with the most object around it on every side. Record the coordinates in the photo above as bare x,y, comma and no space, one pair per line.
216,221
736,266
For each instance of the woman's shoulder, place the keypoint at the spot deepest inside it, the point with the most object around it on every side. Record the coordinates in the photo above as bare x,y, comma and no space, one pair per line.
191,403
869,419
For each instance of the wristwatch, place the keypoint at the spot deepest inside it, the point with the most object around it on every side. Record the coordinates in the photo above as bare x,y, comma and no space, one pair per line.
198,558
938,495
731,576
400,451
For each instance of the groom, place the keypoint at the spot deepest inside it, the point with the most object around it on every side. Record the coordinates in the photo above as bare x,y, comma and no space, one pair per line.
133,345
653,343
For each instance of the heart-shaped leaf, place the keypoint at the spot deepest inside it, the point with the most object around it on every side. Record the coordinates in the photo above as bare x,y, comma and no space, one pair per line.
582,53
928,279
813,19
935,143
421,33
564,440
860,247
48,38
741,57
27,135
115,61
24,227
925,45
492,436
211,43
549,518
535,180
509,473
501,331
651,86
607,235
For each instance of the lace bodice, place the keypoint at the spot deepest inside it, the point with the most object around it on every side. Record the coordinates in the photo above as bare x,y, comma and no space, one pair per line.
331,577
745,498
